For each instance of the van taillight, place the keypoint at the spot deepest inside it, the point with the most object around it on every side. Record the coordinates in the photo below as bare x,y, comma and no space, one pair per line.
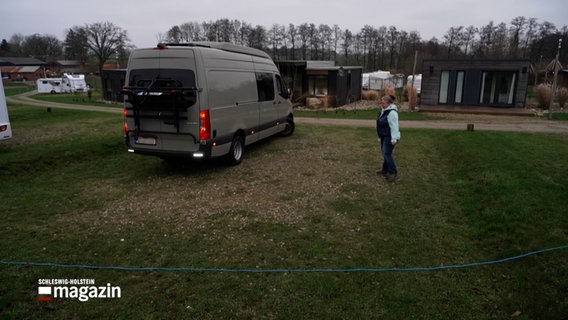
124,112
205,129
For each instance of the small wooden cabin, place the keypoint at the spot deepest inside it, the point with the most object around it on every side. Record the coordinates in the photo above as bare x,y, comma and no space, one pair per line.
321,84
476,83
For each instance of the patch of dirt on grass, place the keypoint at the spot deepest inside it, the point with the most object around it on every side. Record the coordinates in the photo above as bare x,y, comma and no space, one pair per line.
281,180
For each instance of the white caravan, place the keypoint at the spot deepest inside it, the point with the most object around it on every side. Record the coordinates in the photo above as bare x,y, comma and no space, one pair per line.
5,129
203,100
73,83
380,80
417,82
50,85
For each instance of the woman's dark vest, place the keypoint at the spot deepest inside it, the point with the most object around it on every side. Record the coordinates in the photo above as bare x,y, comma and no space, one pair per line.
383,128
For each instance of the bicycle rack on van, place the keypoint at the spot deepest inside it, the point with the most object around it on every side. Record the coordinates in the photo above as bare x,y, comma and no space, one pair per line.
160,102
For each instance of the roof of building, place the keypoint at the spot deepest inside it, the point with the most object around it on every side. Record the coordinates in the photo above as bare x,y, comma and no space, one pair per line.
69,62
19,61
29,69
25,69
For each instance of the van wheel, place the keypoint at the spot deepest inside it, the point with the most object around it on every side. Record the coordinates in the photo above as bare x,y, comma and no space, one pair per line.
290,126
236,152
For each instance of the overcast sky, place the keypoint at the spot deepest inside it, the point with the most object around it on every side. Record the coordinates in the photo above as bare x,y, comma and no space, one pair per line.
145,20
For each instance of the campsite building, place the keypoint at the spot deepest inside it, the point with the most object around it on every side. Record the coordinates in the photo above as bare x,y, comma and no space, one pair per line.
112,81
321,84
475,83
21,69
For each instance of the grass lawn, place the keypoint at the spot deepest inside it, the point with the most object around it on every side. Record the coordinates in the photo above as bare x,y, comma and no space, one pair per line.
73,195
13,90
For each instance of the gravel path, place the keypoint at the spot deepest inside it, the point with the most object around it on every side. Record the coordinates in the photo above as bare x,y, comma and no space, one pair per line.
495,123
452,122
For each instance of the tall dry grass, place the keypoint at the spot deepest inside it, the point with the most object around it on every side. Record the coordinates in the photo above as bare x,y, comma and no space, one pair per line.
370,95
389,91
411,95
375,95
544,95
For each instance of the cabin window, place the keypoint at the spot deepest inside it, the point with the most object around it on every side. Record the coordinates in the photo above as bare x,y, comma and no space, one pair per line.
318,86
498,87
444,86
459,86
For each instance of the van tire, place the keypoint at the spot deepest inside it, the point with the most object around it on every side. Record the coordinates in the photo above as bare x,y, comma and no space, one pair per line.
237,151
290,126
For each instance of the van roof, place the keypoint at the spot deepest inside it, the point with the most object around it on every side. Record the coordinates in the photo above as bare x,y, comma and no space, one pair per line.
225,46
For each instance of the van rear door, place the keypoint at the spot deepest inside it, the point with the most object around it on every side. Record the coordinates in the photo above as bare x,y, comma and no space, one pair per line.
162,101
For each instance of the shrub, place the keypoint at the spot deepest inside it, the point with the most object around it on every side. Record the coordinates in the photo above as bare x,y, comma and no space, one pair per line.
389,91
544,95
370,95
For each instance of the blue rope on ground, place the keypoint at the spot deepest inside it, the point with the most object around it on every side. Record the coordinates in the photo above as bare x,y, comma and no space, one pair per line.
223,270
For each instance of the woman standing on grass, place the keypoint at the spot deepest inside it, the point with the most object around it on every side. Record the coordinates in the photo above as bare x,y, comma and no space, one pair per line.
389,135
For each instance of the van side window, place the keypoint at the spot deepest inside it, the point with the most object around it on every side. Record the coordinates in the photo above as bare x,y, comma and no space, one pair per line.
281,87
265,85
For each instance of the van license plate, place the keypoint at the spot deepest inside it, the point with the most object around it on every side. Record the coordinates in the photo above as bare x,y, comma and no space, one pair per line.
146,140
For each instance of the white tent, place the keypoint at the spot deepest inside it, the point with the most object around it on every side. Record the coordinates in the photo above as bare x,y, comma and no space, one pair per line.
381,79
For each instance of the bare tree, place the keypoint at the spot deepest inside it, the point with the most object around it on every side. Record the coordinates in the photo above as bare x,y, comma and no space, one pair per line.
453,39
325,38
518,26
104,40
347,43
392,38
304,38
237,36
16,45
42,46
313,37
486,38
366,43
336,36
292,37
191,31
244,30
468,38
276,38
529,36
500,41
257,37
174,35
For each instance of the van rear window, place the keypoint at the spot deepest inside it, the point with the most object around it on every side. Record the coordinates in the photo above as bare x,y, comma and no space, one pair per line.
162,88
161,78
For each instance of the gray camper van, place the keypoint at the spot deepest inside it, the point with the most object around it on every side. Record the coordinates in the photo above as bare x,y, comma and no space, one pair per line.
203,100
